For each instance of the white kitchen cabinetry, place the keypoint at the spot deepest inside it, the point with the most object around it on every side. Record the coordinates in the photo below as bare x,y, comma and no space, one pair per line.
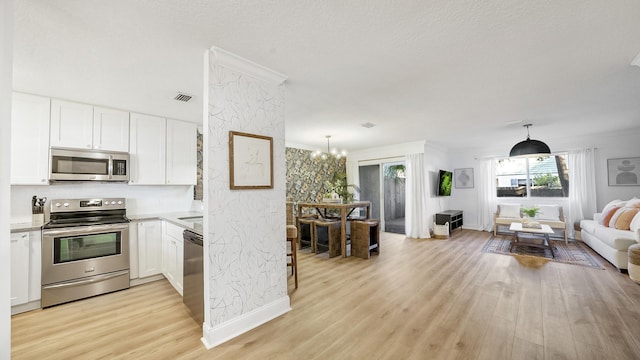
172,253
19,268
181,153
83,126
149,248
147,149
35,265
30,139
162,151
71,125
110,129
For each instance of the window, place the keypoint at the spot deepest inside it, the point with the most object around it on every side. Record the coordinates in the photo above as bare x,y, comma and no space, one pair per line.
542,176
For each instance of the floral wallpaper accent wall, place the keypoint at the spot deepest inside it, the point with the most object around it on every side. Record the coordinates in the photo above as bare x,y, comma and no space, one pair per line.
197,190
306,176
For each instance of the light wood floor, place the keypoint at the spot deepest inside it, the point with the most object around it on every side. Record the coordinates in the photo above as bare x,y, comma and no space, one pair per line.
420,299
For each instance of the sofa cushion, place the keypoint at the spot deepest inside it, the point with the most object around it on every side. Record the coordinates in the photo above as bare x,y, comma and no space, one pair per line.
623,221
633,203
555,224
589,226
509,211
634,227
617,239
606,216
548,212
612,204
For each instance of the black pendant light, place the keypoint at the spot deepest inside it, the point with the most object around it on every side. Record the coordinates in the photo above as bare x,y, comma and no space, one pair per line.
529,147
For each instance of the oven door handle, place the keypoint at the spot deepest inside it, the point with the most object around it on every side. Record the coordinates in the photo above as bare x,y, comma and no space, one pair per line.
84,230
93,279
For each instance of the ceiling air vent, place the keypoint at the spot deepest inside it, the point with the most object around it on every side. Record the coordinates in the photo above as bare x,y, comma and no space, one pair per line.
368,125
183,97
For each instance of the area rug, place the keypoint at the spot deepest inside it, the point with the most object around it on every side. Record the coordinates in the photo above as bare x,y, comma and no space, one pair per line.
572,253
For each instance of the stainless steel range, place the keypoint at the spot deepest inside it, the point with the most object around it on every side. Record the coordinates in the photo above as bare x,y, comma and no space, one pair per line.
85,249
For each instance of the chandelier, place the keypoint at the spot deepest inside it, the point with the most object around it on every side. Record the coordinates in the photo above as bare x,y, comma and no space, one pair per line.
331,153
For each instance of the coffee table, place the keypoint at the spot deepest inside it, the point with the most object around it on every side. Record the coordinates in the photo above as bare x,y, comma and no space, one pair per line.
539,239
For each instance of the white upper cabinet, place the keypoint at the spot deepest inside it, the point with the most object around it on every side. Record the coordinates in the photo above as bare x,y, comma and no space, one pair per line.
82,126
162,151
147,149
181,153
71,125
110,129
30,139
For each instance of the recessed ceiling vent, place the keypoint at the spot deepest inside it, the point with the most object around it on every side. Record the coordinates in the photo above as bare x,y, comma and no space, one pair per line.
368,125
183,97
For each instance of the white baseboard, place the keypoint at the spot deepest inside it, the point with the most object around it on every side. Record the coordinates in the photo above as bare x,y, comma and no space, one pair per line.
216,335
136,282
33,305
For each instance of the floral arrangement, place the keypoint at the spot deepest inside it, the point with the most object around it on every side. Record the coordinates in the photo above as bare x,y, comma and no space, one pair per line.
340,188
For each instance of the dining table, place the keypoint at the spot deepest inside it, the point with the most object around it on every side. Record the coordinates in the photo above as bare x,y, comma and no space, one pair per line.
345,209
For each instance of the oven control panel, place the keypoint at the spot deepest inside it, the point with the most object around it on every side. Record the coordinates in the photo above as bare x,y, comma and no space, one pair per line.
66,205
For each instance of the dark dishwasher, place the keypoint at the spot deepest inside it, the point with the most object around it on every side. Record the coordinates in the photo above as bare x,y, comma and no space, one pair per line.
193,294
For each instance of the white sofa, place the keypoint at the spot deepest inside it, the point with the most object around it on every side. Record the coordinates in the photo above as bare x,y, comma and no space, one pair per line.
610,242
551,215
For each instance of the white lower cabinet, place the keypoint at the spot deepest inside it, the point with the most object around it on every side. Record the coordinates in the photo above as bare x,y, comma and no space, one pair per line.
149,248
19,268
172,253
25,270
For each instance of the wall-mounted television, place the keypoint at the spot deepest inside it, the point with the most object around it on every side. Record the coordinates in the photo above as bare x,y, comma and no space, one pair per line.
445,181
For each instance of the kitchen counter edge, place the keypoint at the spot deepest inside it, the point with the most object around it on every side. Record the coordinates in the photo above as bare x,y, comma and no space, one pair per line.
173,218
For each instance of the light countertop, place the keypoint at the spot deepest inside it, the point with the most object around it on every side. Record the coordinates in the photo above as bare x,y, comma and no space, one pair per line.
172,217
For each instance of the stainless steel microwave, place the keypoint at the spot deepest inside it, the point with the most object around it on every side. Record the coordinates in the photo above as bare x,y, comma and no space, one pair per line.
88,165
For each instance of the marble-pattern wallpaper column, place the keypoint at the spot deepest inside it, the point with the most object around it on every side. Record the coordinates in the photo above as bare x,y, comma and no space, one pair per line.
246,245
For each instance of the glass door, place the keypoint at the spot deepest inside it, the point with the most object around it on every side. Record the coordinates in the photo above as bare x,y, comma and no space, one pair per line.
384,185
394,197
370,187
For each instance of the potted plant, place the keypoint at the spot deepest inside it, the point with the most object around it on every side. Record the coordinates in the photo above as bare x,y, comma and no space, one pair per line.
530,214
339,188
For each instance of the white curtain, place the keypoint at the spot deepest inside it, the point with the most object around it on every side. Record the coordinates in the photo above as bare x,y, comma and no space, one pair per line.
416,200
582,187
487,199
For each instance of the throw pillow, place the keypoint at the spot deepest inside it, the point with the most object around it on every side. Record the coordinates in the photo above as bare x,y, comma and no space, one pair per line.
548,212
633,203
509,211
612,204
614,218
635,223
606,216
626,216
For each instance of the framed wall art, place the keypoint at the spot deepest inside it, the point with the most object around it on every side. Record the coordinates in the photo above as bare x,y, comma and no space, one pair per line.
624,171
250,161
463,178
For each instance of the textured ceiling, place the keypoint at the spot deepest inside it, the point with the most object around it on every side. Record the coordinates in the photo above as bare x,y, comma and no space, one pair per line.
450,72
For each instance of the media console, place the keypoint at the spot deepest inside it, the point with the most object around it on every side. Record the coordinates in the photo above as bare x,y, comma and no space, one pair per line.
454,217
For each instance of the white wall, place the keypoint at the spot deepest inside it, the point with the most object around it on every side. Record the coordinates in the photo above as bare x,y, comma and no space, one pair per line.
436,158
6,61
611,145
245,248
140,199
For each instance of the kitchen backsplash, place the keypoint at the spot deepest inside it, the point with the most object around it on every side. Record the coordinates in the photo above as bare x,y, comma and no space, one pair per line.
140,199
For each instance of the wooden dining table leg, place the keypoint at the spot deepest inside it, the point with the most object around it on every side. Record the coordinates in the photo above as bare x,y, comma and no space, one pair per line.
343,232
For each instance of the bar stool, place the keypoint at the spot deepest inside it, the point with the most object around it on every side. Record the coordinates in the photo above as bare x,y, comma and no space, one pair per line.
306,229
327,236
365,238
292,238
